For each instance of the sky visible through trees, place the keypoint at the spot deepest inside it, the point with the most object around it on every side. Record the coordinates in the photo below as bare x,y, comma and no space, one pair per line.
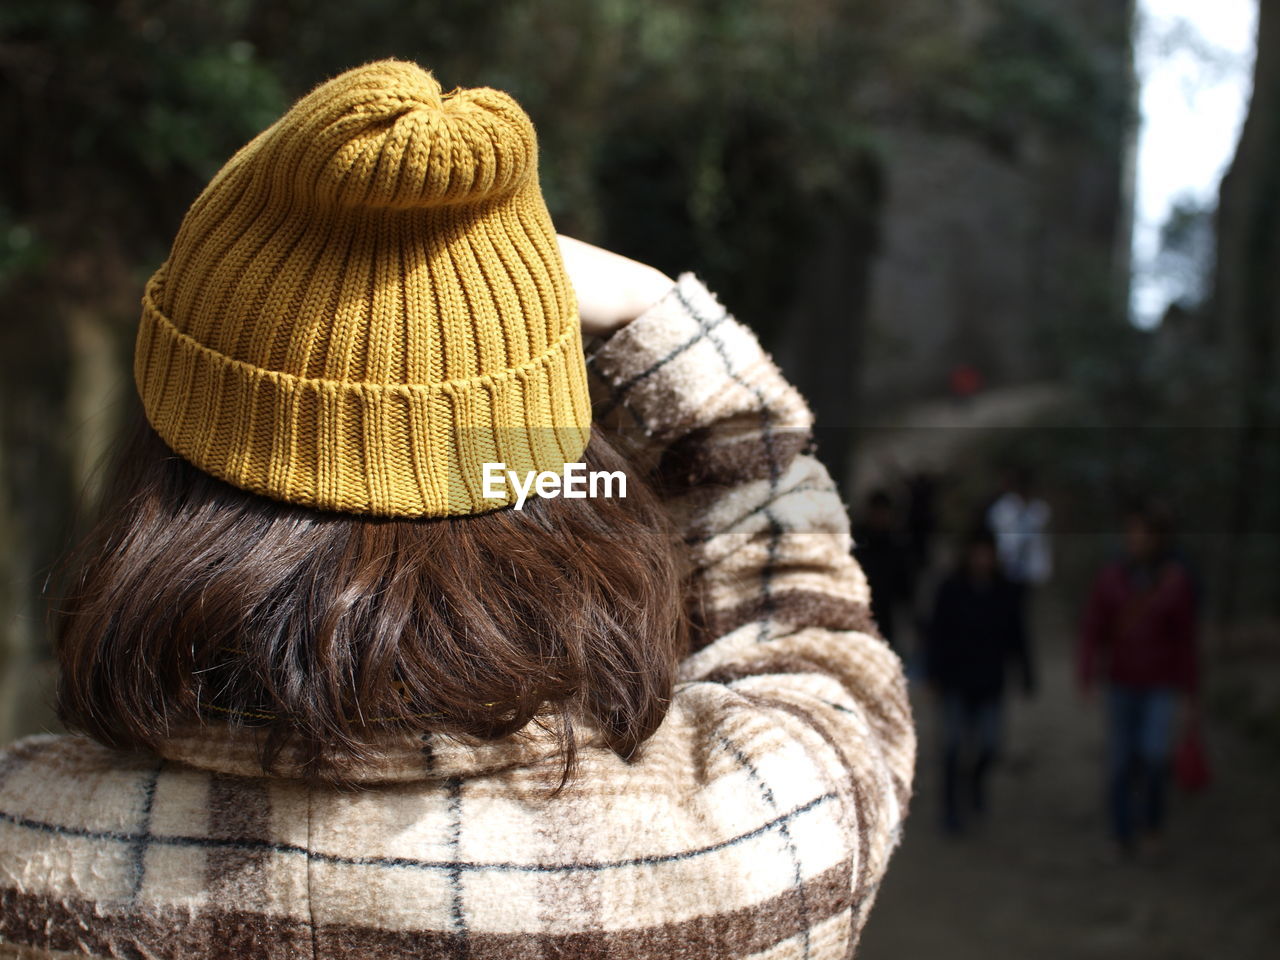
1195,65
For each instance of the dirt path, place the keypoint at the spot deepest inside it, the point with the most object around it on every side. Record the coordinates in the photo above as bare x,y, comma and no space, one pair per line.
1038,881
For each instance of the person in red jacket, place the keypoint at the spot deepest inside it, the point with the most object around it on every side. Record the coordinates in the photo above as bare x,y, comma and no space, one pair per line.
1139,638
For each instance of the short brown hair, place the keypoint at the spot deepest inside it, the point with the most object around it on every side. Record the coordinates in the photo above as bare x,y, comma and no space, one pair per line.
194,599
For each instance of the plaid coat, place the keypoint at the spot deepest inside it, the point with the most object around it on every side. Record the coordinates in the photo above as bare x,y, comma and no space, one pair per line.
756,822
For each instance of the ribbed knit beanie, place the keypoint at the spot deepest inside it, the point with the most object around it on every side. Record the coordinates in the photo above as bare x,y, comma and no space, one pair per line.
367,304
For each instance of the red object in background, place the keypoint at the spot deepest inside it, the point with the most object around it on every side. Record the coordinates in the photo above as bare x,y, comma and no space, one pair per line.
1191,761
966,380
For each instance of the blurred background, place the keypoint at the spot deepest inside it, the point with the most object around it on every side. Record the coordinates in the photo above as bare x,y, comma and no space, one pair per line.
1022,255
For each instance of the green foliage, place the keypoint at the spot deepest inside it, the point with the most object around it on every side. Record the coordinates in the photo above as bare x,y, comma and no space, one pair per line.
718,133
213,94
20,249
141,90
1028,69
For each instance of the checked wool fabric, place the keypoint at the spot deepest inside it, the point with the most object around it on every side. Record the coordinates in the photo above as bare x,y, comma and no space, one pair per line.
756,822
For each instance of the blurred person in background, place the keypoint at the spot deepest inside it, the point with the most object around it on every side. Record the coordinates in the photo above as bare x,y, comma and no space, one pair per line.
1139,639
922,519
921,527
975,634
881,550
1020,521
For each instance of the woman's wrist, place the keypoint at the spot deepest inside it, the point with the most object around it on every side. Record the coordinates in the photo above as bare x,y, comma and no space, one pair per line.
612,290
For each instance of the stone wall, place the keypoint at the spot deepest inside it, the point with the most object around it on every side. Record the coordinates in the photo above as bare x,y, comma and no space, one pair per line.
988,253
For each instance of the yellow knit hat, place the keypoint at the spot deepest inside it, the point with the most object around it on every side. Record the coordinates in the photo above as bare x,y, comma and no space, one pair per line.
367,303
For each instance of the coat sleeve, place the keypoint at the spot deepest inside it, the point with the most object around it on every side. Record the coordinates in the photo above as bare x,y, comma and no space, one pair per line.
782,623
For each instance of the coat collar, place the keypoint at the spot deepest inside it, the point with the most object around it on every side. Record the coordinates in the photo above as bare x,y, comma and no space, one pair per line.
235,751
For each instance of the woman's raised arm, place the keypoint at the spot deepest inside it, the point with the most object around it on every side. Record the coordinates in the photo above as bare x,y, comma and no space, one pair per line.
788,678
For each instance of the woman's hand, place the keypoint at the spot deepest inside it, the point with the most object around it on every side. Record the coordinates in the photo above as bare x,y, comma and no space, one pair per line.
612,290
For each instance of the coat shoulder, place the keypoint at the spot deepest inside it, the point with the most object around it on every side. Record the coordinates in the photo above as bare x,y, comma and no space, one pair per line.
58,791
44,762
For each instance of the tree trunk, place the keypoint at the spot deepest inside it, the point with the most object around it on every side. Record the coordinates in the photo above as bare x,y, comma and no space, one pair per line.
1247,305
821,347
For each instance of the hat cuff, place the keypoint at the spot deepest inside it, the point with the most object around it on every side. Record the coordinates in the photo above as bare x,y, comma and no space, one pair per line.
368,448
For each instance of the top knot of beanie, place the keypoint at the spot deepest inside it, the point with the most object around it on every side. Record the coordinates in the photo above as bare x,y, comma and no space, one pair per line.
367,304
